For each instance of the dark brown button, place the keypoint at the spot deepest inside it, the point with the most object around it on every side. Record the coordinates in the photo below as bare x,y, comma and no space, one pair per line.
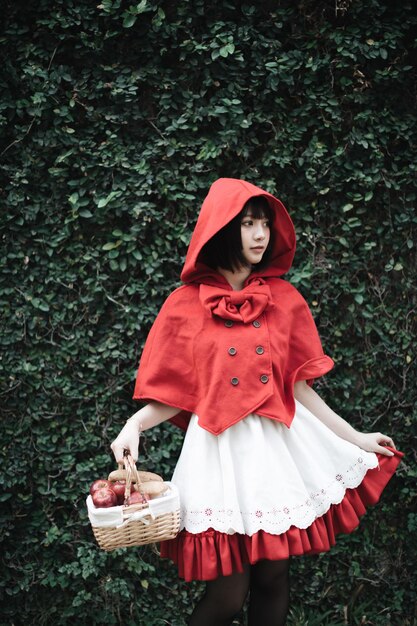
234,381
264,378
256,323
232,351
228,323
259,350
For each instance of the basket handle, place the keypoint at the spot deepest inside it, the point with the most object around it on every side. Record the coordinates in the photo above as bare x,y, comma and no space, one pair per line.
131,472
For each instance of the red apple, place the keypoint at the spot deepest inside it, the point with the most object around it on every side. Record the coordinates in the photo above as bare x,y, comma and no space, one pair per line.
119,487
104,498
99,484
137,498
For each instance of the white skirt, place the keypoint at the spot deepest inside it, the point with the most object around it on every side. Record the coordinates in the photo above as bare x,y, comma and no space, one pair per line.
260,475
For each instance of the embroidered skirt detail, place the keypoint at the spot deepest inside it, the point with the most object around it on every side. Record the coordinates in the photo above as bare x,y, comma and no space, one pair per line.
260,490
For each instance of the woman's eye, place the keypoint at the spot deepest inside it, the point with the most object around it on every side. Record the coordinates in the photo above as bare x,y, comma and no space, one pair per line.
247,223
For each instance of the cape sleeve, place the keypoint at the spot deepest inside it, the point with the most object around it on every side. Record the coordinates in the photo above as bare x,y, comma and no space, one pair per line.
167,368
306,358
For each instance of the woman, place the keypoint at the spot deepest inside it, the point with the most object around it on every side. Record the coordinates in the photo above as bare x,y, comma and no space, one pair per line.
267,469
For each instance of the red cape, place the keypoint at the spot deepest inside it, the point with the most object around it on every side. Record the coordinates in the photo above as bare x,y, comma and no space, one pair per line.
224,354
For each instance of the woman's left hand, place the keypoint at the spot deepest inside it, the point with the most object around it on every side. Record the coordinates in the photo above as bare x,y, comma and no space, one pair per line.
375,442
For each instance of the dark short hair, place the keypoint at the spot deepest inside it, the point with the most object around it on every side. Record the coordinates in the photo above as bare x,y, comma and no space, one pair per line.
225,248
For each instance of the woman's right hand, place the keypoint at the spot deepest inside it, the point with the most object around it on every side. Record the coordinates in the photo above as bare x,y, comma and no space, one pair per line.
148,416
127,439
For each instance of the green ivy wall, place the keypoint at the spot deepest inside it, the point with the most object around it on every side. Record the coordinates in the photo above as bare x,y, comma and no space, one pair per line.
115,119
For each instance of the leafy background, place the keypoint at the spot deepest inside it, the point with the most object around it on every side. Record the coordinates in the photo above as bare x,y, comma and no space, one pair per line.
115,120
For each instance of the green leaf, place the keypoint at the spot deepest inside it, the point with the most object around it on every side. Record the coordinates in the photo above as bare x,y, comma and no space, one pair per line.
129,20
142,6
64,156
102,202
111,245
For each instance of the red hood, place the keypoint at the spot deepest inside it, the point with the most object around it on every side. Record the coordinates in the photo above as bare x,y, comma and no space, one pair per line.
224,201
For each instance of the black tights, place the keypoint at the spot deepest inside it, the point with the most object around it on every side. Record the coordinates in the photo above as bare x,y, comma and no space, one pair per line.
268,585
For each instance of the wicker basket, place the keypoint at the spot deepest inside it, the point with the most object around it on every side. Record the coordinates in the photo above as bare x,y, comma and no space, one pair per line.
136,524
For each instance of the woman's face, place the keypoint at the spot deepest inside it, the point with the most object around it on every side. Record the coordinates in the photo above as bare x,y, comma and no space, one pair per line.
255,233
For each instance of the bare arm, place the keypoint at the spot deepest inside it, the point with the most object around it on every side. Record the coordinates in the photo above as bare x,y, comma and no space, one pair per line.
150,415
372,442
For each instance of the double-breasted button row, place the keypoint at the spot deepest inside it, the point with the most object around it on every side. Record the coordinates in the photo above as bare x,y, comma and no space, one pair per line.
264,379
255,323
259,350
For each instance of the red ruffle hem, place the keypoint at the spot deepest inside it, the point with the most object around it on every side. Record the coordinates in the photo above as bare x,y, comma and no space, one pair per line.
207,555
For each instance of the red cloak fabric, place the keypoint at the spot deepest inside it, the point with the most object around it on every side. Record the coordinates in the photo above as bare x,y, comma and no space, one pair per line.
224,354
